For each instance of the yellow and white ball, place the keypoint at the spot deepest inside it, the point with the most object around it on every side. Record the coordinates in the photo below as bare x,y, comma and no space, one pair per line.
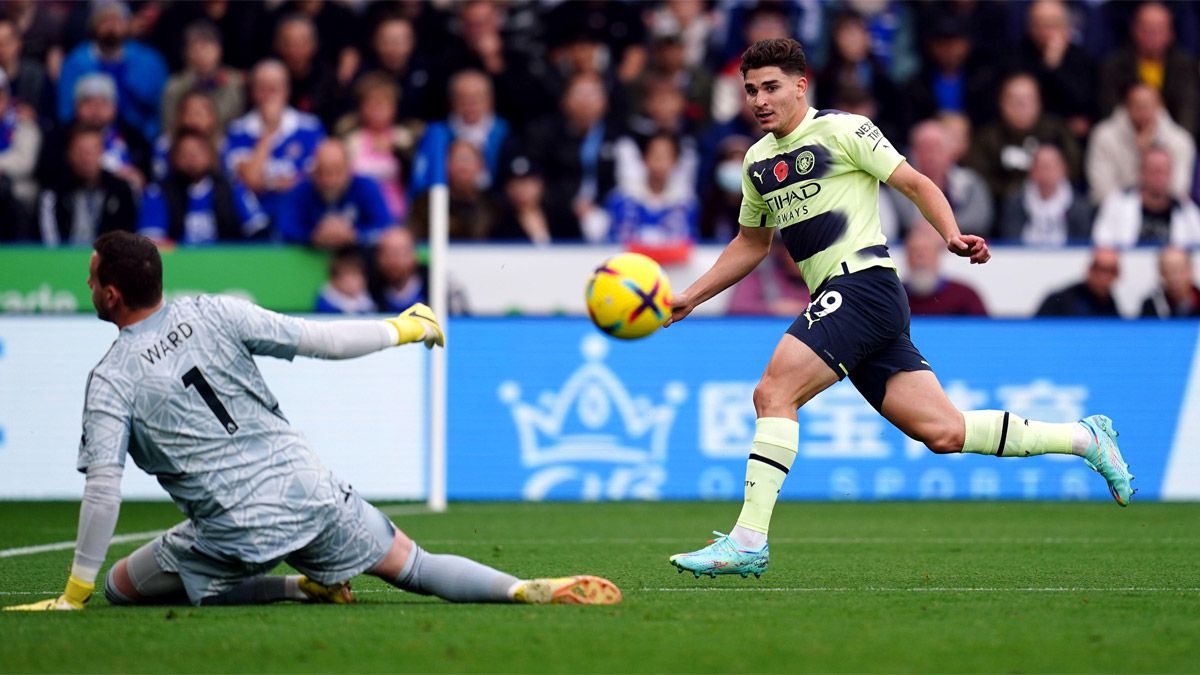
629,296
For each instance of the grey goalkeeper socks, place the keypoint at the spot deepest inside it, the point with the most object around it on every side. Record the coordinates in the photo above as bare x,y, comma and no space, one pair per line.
453,578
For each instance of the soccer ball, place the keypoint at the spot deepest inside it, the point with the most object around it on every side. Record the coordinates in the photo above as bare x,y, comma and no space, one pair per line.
628,297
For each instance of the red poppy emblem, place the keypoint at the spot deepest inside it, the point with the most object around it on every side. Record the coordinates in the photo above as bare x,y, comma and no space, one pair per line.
781,170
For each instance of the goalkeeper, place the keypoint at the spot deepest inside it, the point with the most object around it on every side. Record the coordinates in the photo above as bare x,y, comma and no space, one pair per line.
179,391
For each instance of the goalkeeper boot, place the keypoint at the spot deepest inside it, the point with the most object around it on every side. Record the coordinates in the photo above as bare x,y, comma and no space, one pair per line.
1105,458
337,594
578,590
723,556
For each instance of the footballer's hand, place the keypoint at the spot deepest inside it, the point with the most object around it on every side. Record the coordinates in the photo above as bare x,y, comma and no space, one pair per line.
74,598
419,324
681,305
970,246
54,604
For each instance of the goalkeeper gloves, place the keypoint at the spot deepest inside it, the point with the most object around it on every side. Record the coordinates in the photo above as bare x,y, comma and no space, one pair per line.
75,597
419,324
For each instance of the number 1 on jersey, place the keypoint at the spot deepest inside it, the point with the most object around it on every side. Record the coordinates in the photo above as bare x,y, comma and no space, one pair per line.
195,378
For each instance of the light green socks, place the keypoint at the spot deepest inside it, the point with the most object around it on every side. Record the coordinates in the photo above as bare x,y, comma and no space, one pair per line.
1000,433
771,457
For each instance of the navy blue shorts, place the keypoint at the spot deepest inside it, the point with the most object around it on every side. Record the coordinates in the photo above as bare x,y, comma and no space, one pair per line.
858,323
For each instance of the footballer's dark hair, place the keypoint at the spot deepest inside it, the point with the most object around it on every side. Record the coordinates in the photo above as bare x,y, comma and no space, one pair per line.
785,53
131,263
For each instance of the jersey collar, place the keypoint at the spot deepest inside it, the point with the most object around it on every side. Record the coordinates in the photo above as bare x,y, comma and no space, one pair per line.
799,130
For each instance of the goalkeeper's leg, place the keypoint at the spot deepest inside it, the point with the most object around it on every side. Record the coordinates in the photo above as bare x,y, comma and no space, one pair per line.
409,567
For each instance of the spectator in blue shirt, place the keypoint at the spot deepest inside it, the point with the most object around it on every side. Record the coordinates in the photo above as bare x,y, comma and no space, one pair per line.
139,72
658,213
270,148
333,208
346,290
195,203
472,119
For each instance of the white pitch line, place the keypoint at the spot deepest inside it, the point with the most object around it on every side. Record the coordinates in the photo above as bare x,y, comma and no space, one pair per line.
930,589
403,510
68,545
821,541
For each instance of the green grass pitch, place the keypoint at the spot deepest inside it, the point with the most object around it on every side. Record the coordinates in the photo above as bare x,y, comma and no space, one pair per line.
896,587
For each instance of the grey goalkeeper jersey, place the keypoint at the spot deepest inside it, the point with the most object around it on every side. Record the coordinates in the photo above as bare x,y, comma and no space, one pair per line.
181,394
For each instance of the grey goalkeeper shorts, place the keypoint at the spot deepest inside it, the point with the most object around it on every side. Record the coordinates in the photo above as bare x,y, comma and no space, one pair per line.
356,541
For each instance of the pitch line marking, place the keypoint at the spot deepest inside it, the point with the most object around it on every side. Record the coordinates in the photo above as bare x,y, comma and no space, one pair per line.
68,545
150,534
929,589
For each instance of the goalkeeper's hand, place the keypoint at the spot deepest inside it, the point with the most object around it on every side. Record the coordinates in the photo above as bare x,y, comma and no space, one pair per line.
419,324
73,598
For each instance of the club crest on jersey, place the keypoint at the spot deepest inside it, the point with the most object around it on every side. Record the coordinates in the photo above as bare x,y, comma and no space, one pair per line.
805,162
781,171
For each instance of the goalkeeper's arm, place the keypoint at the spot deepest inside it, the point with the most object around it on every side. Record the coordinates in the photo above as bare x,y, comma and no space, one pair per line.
349,339
97,520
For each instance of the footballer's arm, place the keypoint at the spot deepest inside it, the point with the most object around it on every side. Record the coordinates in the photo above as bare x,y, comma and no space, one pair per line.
936,209
97,520
740,256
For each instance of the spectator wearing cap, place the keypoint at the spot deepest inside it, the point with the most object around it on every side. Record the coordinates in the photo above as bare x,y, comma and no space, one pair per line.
194,203
1177,295
380,146
472,119
333,208
1152,57
27,82
522,217
270,148
20,141
1117,144
1149,213
204,71
86,200
137,69
126,153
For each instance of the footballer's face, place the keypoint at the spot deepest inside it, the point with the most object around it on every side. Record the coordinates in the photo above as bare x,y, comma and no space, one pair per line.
776,99
103,297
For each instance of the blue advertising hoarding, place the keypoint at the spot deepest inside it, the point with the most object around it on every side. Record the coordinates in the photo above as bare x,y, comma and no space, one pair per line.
552,409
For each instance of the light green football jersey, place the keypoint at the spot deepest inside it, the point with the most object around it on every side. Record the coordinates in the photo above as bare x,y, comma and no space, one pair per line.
820,186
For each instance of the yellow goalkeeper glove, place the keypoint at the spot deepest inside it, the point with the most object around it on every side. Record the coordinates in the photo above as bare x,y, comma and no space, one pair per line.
75,597
419,324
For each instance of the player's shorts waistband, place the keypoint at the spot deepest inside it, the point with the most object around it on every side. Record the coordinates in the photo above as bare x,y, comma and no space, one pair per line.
865,258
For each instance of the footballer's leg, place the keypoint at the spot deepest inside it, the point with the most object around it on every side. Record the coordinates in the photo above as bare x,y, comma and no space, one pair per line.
917,405
409,567
794,375
138,579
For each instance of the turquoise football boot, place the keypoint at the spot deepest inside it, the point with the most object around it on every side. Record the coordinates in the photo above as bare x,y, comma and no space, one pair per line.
723,556
1105,458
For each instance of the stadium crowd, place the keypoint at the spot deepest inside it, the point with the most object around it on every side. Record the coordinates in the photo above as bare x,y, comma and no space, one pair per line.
324,123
